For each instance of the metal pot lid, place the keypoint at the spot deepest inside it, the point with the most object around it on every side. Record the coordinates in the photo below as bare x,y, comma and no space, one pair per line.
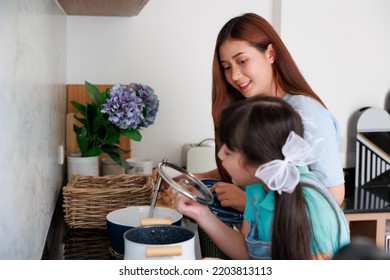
185,183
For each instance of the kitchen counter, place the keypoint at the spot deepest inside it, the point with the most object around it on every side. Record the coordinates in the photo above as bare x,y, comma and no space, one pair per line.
64,243
367,210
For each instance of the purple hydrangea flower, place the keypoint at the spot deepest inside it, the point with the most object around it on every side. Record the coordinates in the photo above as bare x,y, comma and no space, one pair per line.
131,107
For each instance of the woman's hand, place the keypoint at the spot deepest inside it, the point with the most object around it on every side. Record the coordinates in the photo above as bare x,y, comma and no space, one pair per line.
155,174
230,195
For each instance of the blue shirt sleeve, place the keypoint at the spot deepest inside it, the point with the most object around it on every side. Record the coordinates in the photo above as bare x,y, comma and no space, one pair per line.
319,123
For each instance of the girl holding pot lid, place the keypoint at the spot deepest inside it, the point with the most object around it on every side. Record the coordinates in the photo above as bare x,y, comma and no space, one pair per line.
262,148
251,59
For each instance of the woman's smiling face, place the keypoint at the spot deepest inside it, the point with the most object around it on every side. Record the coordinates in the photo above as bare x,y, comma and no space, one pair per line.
247,69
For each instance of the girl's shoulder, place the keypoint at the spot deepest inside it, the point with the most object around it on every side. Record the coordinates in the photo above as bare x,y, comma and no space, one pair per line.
256,190
259,196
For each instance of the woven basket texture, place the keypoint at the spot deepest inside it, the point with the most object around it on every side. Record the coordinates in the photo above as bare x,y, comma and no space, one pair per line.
87,244
88,199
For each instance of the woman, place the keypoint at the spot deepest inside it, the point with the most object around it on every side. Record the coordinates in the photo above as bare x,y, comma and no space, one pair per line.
262,147
250,59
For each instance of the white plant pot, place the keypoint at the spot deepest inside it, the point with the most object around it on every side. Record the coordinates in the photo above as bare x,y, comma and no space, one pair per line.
82,165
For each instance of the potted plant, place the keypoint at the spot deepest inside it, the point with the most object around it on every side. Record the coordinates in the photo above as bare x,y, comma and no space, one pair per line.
120,110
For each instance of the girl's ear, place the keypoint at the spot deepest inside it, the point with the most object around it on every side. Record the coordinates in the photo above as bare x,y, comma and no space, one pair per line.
270,52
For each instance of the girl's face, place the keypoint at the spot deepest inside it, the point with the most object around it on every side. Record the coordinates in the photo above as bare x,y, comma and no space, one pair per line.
247,69
242,174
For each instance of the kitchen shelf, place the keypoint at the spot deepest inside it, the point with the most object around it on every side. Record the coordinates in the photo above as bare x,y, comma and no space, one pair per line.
371,225
121,8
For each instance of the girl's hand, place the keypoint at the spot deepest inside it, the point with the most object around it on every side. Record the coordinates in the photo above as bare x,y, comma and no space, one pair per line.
230,195
187,206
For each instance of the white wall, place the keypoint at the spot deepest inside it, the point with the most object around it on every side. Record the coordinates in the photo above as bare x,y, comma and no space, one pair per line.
340,46
343,49
32,108
168,46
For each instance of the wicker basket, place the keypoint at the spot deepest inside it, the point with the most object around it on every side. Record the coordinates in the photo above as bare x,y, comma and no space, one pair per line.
88,199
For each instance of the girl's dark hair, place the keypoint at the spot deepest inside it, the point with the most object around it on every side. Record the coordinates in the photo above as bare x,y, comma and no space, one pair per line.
259,33
257,128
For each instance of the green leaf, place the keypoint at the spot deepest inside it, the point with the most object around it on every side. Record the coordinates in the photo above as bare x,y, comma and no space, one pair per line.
90,119
114,149
133,134
101,121
95,94
79,107
76,128
112,135
120,161
82,140
105,94
94,151
81,120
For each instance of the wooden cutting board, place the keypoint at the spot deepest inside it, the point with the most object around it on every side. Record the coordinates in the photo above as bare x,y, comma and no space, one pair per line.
79,93
71,141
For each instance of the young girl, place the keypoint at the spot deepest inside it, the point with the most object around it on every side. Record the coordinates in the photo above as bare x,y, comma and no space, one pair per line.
262,147
250,59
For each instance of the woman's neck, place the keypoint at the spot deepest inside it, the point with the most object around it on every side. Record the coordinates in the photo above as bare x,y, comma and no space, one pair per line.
279,92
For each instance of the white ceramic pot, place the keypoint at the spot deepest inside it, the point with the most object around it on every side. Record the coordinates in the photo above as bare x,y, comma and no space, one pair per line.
110,167
159,242
140,166
82,165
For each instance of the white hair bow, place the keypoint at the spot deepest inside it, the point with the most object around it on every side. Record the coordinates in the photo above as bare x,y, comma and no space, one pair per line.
283,175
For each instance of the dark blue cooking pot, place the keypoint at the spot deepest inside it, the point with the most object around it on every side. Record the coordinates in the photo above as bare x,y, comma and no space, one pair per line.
225,214
119,221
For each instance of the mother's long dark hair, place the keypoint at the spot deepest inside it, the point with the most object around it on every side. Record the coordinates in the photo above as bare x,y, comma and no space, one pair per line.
258,127
259,33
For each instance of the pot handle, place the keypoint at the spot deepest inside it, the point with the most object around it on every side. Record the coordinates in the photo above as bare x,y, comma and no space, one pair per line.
156,221
165,251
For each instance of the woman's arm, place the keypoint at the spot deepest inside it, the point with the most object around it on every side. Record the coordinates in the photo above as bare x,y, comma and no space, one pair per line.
230,195
212,174
338,193
324,256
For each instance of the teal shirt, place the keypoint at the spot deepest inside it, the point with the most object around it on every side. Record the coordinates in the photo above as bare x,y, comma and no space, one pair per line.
261,205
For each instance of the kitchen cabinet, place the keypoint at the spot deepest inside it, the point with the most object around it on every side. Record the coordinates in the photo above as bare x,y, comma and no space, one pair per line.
367,208
371,225
122,8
